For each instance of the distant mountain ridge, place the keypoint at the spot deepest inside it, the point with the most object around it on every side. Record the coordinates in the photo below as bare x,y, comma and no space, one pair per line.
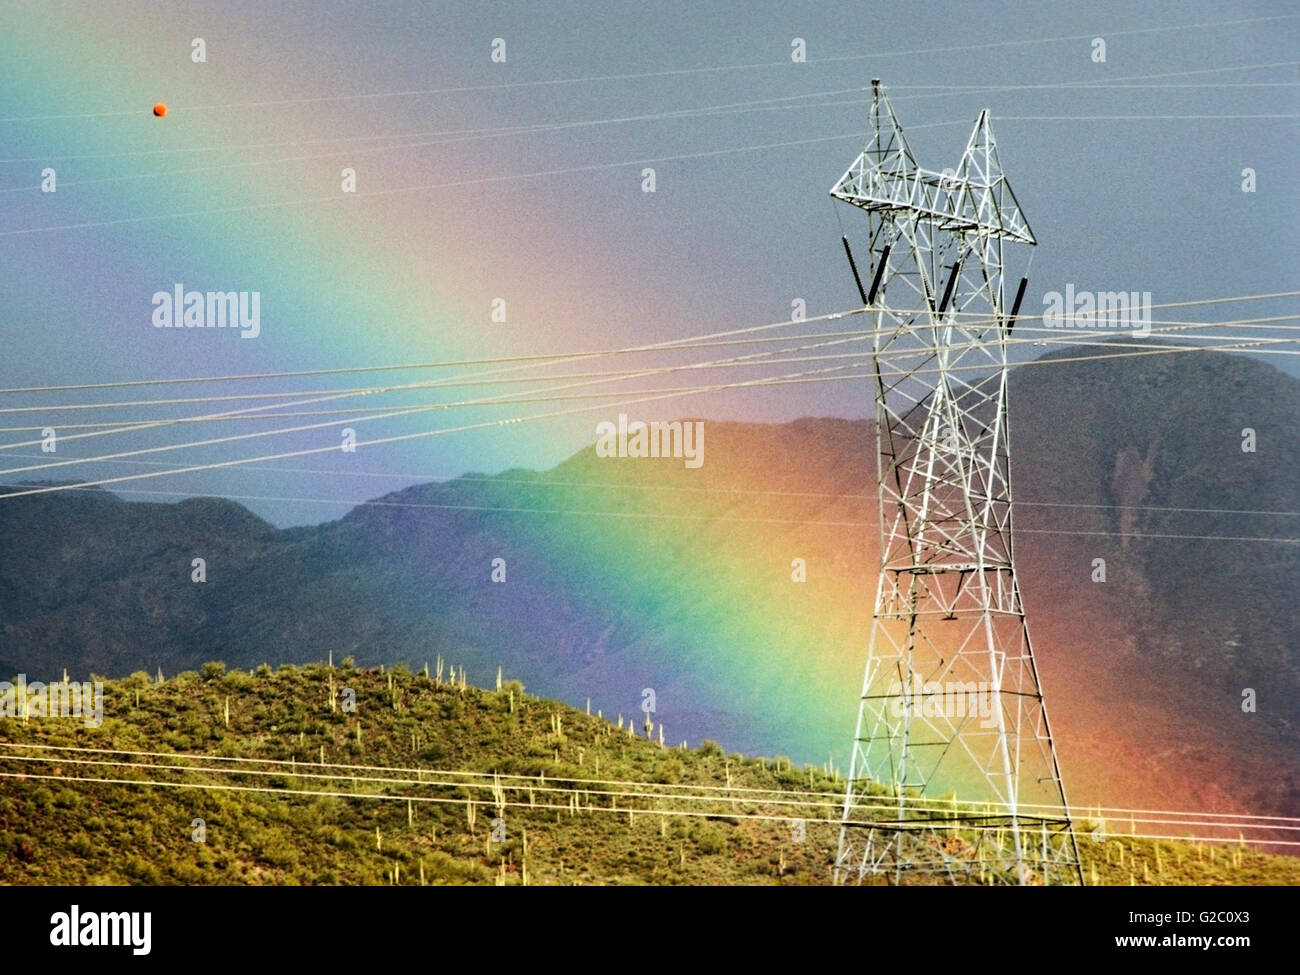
622,575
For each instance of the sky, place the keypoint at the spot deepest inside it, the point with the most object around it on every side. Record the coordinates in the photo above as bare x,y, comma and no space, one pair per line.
521,182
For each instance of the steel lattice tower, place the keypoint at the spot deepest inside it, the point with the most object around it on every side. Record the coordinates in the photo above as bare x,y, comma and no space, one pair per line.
954,777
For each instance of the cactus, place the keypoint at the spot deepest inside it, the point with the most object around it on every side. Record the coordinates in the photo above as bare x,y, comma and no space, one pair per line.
498,794
498,678
379,840
410,813
227,710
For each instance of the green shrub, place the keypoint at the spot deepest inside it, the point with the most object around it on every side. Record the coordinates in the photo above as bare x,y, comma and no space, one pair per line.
709,839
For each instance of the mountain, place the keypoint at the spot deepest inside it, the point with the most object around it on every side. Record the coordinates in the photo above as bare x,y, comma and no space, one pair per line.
623,576
537,793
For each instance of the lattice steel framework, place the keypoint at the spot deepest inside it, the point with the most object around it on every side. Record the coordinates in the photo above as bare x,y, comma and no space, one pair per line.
954,777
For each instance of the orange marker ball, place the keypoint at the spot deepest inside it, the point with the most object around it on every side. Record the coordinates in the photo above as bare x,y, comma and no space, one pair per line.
160,109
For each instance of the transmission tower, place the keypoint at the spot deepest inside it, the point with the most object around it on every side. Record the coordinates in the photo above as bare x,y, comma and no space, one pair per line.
954,777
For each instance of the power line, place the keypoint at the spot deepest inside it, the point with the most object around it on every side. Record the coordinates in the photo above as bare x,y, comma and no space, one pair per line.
657,516
548,395
730,792
470,136
598,788
451,137
1081,338
481,131
541,481
1131,118
725,108
780,380
612,808
493,400
685,343
469,181
676,72
543,395
1088,84
476,181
